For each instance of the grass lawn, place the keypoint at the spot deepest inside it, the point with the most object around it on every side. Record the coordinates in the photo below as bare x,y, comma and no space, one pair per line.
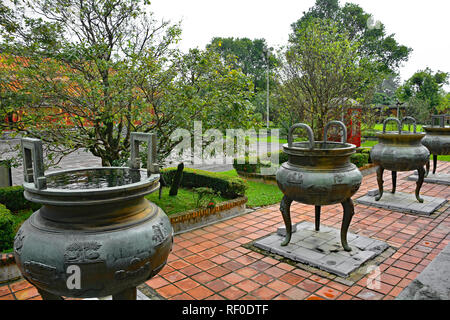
259,194
184,201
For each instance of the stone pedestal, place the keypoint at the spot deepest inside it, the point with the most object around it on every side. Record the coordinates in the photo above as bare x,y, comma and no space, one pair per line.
402,202
322,249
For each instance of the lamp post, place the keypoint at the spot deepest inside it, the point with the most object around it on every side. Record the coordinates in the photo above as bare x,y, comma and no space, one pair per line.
267,53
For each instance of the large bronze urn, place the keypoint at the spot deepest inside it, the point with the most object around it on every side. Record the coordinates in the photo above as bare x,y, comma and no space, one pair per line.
318,173
399,151
95,235
437,140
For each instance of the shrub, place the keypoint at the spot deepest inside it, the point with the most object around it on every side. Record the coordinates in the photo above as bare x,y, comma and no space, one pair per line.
250,167
359,159
204,196
6,228
229,187
14,200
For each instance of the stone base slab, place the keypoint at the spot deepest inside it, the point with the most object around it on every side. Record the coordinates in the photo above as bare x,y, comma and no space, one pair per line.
323,249
438,178
433,283
403,202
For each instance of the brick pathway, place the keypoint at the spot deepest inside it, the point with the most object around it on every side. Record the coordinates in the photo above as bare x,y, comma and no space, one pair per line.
216,262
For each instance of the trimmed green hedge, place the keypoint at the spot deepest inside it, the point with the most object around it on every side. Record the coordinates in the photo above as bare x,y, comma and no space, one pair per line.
6,228
359,159
256,167
14,200
229,187
250,167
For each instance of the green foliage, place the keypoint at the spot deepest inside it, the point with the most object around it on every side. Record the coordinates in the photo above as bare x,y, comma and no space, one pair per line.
229,187
423,91
204,196
249,165
323,73
360,159
14,200
184,201
251,57
122,74
6,228
351,19
259,193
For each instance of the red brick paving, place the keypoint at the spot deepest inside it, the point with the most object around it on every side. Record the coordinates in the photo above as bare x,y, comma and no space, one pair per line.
211,264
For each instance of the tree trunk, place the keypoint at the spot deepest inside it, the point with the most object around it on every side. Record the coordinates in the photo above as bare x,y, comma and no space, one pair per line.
177,180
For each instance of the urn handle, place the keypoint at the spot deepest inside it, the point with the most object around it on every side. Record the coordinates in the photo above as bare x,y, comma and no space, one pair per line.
413,121
33,162
337,123
150,138
440,118
308,130
392,119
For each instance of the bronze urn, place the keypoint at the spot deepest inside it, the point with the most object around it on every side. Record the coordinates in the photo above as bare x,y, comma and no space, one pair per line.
400,151
95,234
437,140
318,173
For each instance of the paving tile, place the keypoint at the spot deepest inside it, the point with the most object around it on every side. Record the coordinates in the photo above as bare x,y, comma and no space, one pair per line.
296,293
174,276
309,285
263,278
157,282
264,293
232,293
20,285
217,285
233,278
8,297
200,293
291,278
279,286
328,293
248,285
218,271
186,284
4,291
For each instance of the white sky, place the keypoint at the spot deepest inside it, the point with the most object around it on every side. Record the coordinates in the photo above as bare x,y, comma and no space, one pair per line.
423,25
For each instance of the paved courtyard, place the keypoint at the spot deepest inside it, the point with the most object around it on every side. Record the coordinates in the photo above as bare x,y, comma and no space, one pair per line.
219,262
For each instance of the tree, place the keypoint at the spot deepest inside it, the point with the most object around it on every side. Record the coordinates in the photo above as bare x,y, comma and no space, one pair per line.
322,73
201,87
385,94
255,59
375,44
425,86
107,68
251,57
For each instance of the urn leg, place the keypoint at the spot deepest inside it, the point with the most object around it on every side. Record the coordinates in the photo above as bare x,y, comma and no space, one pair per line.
285,208
349,211
435,157
317,218
380,171
394,181
48,296
419,183
127,294
427,168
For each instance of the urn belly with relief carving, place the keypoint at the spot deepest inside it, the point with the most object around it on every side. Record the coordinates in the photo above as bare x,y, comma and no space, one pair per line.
95,235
